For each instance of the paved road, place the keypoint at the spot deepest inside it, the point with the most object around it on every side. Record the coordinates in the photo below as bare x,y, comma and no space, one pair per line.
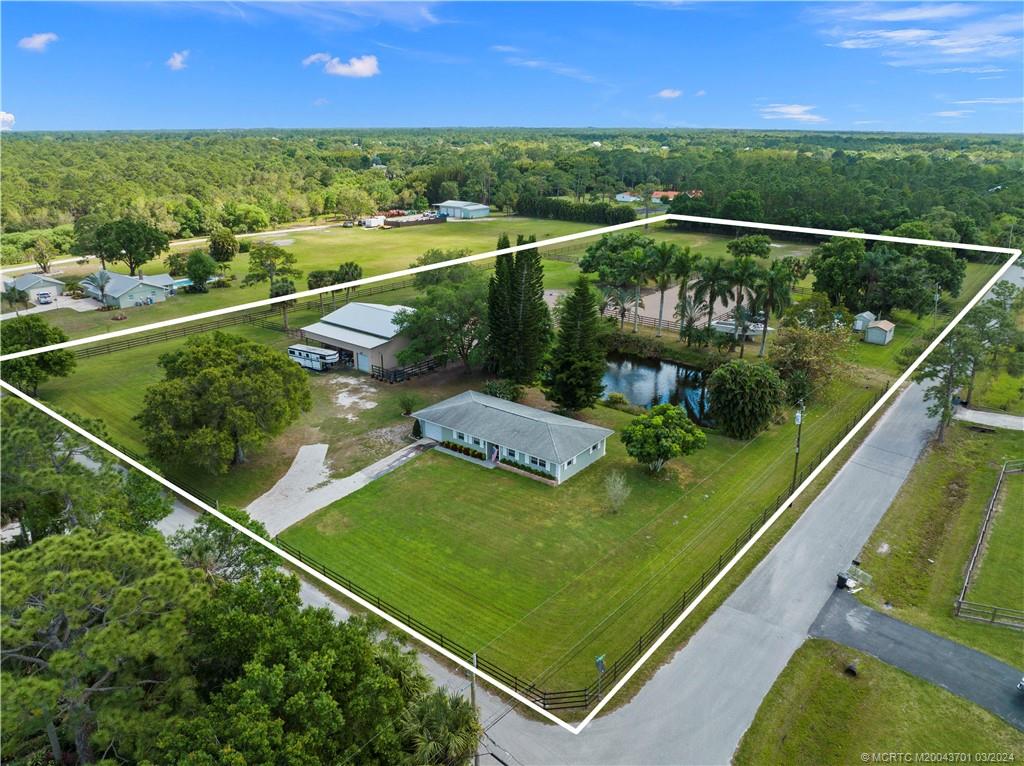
697,707
990,419
965,672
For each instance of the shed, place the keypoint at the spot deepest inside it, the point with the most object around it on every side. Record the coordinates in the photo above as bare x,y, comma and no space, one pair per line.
33,284
862,320
509,432
455,208
879,332
365,334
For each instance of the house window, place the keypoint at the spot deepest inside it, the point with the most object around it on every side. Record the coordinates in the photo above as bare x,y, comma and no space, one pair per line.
476,442
594,448
460,436
510,452
570,461
538,462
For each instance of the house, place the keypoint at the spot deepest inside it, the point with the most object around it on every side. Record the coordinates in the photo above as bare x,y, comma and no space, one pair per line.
626,197
507,431
658,196
33,284
364,334
879,332
122,291
455,208
862,320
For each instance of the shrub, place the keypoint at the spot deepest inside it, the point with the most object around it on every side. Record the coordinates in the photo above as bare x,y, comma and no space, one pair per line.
528,468
408,402
617,400
503,389
462,449
617,490
663,433
244,245
745,397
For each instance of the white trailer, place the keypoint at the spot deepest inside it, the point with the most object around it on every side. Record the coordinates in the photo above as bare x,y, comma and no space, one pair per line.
312,357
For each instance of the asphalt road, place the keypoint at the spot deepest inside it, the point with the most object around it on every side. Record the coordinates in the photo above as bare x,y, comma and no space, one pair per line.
967,673
696,708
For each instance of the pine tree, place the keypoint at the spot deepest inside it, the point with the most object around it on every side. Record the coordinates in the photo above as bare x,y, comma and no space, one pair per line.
501,332
519,320
503,241
573,379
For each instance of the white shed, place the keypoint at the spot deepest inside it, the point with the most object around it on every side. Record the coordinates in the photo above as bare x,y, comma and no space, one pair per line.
879,332
862,320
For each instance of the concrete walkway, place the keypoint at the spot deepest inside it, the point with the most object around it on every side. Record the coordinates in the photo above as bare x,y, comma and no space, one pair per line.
307,486
970,674
989,418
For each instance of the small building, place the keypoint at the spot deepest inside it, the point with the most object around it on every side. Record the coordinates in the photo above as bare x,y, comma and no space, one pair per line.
364,334
879,332
455,208
862,320
122,291
626,197
659,196
512,433
33,284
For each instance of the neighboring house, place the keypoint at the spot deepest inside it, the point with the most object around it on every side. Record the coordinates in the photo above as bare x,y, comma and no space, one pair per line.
33,284
122,291
365,335
658,196
880,332
862,320
454,208
503,430
626,197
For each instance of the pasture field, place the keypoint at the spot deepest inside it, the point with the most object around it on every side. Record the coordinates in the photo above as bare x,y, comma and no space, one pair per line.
816,713
918,553
999,578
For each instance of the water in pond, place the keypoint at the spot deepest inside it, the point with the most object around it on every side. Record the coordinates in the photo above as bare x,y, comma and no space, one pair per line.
646,383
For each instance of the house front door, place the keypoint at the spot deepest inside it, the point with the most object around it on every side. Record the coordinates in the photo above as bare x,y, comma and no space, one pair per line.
493,452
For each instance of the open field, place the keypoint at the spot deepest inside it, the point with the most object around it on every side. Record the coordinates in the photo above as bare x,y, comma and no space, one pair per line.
377,251
918,553
999,390
999,579
541,579
816,713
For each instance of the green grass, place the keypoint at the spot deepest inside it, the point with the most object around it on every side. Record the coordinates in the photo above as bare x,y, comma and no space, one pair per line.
817,714
999,580
542,579
918,553
999,390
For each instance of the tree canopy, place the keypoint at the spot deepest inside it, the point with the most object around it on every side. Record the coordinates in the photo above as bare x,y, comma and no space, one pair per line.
745,397
27,332
662,434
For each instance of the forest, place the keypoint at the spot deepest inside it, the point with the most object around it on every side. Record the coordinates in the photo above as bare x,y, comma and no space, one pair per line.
188,183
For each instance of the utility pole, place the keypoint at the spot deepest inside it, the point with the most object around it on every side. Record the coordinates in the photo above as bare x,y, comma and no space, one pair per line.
796,455
472,700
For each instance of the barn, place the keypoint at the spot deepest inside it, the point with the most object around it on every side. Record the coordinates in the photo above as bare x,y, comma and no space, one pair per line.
365,335
455,208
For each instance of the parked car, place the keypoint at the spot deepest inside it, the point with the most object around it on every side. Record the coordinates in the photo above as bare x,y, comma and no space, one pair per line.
43,298
347,225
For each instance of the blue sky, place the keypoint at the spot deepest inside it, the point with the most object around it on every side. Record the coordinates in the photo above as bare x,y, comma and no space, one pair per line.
832,66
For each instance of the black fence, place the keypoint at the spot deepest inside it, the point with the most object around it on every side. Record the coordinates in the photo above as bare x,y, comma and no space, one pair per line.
587,696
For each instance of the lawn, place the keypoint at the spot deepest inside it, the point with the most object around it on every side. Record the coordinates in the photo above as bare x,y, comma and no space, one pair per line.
541,579
999,580
999,390
918,553
816,713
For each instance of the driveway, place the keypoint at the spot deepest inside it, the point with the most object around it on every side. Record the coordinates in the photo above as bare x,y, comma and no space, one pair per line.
81,305
967,673
307,486
696,708
989,418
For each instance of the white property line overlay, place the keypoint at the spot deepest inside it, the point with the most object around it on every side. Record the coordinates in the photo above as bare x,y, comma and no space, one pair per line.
882,401
491,254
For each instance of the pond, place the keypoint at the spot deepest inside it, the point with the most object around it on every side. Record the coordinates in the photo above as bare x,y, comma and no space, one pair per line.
646,382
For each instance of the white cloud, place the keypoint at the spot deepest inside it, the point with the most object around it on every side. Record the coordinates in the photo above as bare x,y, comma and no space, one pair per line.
357,66
794,112
6,120
1006,100
563,70
967,70
177,61
506,49
700,93
38,42
321,101
669,93
953,113
927,12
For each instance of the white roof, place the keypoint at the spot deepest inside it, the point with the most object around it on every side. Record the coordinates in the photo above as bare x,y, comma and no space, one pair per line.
362,324
28,281
865,315
313,349
464,205
882,324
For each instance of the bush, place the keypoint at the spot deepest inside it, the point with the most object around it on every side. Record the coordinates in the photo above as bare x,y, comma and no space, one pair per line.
244,245
417,432
503,389
528,468
462,449
617,490
408,402
745,397
617,400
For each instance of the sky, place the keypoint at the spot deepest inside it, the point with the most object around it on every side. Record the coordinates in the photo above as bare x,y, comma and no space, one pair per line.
772,65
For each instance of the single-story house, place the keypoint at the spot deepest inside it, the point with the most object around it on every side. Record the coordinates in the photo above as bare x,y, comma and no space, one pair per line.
508,431
862,320
365,335
33,284
455,208
658,196
879,332
626,197
122,291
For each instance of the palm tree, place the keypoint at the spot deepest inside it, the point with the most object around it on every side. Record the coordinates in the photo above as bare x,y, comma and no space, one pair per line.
441,729
349,271
100,280
661,266
714,284
745,273
14,296
773,295
637,272
688,312
619,298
